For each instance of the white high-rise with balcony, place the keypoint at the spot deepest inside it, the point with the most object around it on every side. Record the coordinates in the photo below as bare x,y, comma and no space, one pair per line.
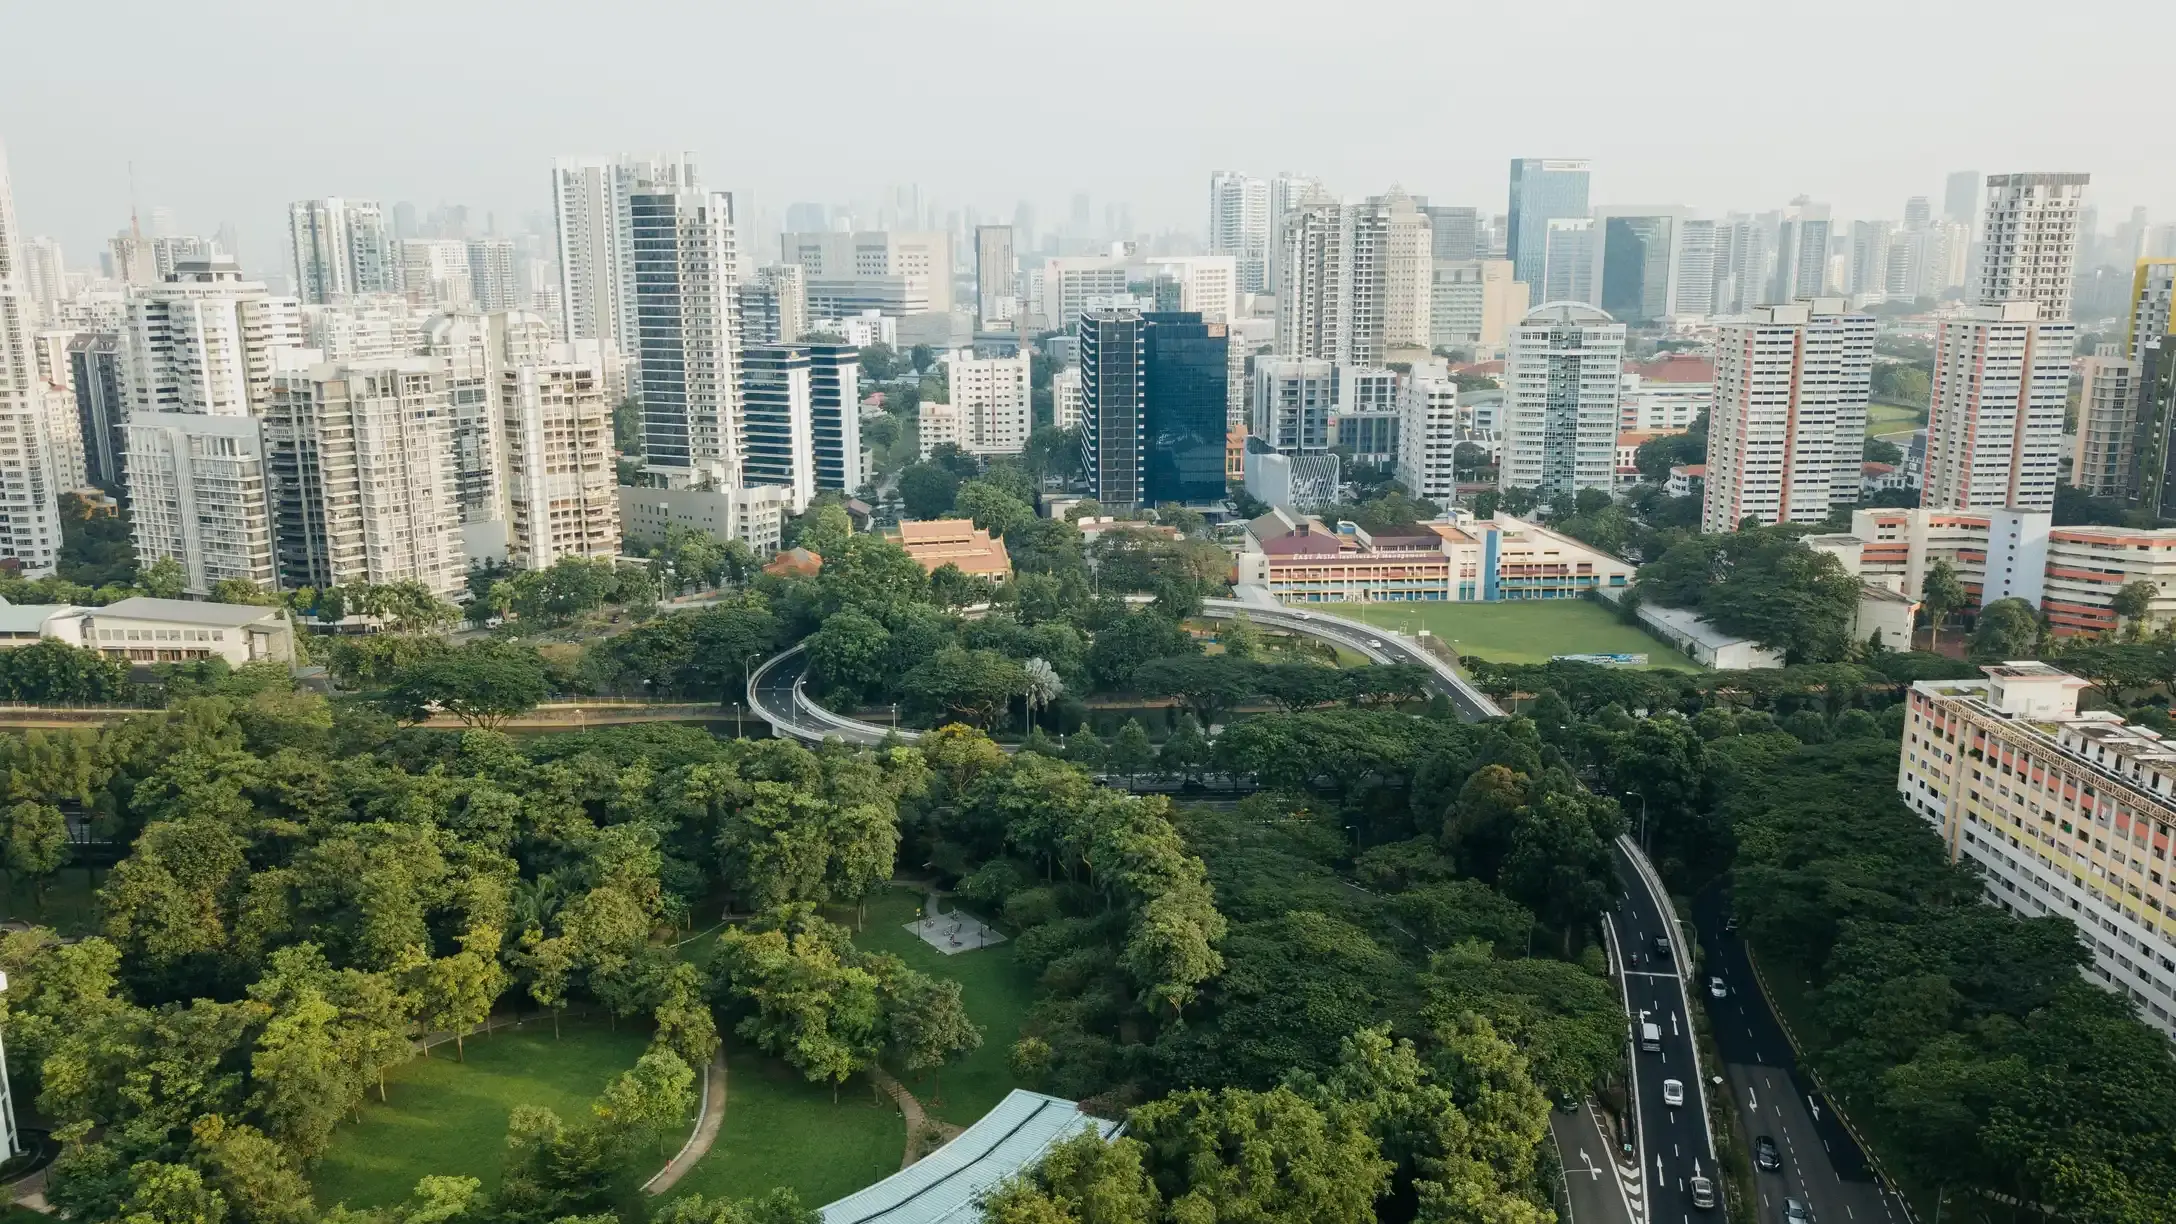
686,327
1239,224
596,235
1788,431
1562,382
2029,241
339,248
29,515
1428,436
991,396
1334,283
1995,418
198,493
561,484
203,341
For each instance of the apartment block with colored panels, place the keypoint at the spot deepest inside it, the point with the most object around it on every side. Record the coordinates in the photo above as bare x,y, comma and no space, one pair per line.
2067,814
2088,565
1465,560
1997,554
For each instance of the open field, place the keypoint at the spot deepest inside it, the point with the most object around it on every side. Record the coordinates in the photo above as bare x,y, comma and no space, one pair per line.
781,1130
444,1116
1892,418
1521,631
995,988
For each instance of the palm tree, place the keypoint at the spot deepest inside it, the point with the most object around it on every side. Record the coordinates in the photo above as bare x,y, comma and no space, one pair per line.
1041,687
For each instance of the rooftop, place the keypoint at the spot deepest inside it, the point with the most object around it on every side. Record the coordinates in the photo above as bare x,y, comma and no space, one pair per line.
31,618
1674,369
186,612
947,1185
936,543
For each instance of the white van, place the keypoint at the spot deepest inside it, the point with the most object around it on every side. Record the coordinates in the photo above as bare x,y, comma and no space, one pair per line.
1651,1038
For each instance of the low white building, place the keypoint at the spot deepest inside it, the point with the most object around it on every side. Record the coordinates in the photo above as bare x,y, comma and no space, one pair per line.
146,630
756,515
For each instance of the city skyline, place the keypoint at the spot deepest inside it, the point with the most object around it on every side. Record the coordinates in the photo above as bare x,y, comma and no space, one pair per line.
219,156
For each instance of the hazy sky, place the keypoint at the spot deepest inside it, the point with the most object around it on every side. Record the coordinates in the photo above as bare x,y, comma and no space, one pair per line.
229,109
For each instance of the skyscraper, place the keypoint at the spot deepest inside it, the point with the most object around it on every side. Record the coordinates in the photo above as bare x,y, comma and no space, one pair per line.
2107,422
29,515
1961,196
1153,396
1542,189
591,204
835,415
2029,241
1239,226
97,374
997,277
778,436
1455,233
1562,381
1801,253
774,305
561,486
493,285
1995,419
1639,263
199,493
339,248
1289,194
1567,266
1408,262
686,325
1788,431
1694,296
1868,279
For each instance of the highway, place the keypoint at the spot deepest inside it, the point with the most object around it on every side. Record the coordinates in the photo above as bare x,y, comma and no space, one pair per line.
1823,1165
1675,1142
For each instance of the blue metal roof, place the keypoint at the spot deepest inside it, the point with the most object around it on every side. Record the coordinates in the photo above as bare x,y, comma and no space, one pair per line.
946,1186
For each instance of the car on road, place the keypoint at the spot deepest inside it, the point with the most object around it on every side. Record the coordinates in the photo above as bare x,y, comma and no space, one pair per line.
1673,1092
1662,946
1765,1154
1376,643
1795,1211
1703,1192
1716,989
1730,923
1651,1037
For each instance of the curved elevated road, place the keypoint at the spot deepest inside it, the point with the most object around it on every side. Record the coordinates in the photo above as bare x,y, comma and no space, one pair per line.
777,690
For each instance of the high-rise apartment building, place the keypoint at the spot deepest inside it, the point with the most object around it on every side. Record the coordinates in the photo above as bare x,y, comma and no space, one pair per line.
1743,247
1995,422
1693,276
1153,406
687,335
991,396
1205,284
1065,398
2065,813
340,248
1239,226
997,275
1867,274
561,483
2152,485
494,283
1542,190
1801,253
2107,422
591,201
1787,434
2153,305
204,341
1562,379
774,305
1428,436
1072,283
1289,194
778,432
1475,304
1408,263
897,272
434,273
45,272
1335,284
1567,267
2029,241
1294,398
29,514
198,493
362,482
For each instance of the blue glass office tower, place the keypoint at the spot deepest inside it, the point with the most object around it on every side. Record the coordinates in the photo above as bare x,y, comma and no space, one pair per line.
1154,388
1541,189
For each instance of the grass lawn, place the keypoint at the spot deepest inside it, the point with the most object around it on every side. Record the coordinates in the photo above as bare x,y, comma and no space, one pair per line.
1887,418
995,988
781,1130
70,905
1521,631
444,1116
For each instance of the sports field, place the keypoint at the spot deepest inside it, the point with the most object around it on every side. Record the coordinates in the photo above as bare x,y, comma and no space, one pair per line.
1521,631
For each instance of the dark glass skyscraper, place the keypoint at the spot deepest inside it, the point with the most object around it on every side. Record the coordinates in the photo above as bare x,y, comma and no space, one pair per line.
1154,388
1636,254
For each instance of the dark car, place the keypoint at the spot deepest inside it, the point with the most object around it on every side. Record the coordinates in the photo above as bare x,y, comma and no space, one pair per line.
1662,946
1765,1154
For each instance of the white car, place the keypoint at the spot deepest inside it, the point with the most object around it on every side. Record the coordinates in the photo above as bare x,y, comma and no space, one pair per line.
1673,1092
1716,988
1376,643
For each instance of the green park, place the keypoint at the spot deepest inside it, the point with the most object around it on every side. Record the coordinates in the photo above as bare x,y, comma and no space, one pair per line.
1521,631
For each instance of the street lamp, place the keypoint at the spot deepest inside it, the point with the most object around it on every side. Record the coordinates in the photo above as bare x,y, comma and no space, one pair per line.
1643,816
